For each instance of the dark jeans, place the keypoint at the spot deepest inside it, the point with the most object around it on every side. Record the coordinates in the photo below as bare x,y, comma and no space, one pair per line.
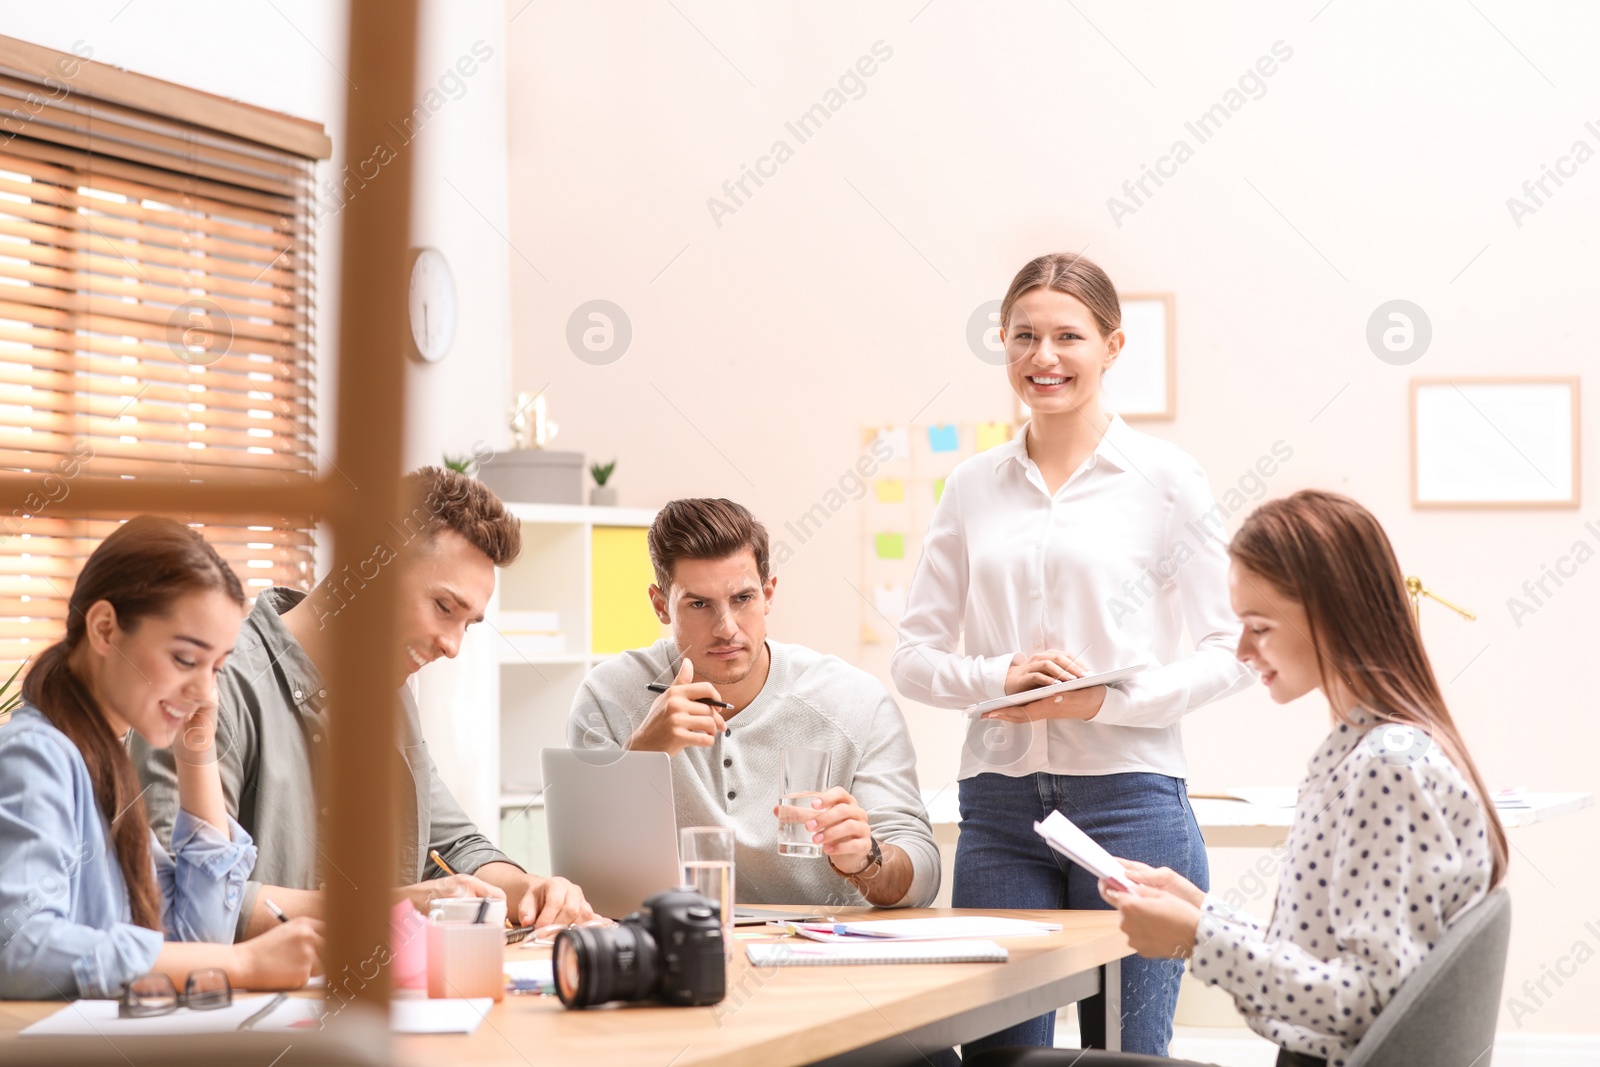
1002,863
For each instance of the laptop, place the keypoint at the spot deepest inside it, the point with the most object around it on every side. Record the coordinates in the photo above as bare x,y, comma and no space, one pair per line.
613,831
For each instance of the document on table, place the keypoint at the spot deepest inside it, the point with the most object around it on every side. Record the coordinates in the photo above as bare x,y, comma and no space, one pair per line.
789,954
1063,835
420,1015
410,1015
98,1018
960,926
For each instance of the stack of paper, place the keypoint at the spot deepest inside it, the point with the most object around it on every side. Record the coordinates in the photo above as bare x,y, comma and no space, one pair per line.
1061,834
961,926
789,954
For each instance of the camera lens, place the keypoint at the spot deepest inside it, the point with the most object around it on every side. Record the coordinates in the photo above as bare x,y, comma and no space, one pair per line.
596,965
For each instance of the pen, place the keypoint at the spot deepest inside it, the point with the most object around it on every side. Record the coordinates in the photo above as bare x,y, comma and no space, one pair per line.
266,1009
657,687
276,911
483,909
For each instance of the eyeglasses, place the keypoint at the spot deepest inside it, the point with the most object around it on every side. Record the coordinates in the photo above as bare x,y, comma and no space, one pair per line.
154,994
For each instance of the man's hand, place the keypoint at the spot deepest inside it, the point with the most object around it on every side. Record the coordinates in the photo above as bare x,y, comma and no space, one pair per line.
1041,668
840,827
677,720
1159,925
1079,704
423,894
549,902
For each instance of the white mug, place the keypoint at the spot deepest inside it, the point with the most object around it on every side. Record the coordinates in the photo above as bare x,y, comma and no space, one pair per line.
465,910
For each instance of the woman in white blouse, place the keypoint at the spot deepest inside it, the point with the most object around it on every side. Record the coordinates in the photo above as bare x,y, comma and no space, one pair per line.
1079,546
1392,838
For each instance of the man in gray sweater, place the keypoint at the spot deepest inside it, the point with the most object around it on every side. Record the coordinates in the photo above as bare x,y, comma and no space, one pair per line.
714,588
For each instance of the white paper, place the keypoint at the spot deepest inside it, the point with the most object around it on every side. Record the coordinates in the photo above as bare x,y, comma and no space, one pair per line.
787,953
99,1018
1030,695
890,600
421,1015
983,926
898,442
1063,835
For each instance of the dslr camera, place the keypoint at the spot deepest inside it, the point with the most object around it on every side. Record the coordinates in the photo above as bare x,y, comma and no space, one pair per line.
670,950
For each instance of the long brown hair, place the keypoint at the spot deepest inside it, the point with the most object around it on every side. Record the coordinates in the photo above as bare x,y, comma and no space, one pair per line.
1330,555
143,567
1074,275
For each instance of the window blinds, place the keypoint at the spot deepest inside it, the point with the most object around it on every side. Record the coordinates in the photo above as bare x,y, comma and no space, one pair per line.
156,311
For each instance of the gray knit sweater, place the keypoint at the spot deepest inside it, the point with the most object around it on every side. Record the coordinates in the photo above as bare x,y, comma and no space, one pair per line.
810,700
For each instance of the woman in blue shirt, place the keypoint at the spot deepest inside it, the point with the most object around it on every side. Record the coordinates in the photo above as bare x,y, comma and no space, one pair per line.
88,898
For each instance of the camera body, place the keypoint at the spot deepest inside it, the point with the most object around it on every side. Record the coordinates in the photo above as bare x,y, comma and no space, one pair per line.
670,950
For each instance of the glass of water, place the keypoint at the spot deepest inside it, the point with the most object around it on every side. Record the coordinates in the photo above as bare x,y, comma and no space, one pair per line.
706,853
805,777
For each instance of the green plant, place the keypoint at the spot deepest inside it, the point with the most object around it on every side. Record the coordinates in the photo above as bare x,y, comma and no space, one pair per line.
459,464
11,699
602,471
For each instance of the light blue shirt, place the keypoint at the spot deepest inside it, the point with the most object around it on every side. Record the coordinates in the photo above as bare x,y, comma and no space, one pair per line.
65,924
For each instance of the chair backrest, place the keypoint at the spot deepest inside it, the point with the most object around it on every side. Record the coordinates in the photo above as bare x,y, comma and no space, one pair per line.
1445,1013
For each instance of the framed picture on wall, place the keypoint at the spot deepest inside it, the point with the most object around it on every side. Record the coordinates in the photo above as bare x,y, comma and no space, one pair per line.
1495,442
1143,383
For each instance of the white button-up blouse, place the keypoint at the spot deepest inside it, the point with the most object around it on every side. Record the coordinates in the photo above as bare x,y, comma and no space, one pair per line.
1110,568
1389,845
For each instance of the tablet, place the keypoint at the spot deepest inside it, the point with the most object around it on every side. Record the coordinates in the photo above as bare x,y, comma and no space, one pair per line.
1028,696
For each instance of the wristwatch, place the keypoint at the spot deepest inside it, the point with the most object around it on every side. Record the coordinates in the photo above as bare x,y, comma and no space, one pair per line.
867,873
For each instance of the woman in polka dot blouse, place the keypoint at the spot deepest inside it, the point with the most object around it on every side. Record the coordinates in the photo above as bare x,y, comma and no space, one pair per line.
1391,838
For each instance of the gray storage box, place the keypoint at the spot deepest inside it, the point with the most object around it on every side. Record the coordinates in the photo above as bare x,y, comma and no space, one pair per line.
534,476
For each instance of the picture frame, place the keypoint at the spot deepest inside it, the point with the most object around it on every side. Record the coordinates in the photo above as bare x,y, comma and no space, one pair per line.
1495,442
1143,383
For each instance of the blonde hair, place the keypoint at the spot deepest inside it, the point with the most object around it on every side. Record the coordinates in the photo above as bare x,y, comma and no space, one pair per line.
1075,276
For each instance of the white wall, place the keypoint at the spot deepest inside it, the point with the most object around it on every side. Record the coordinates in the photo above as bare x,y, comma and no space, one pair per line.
1376,165
290,56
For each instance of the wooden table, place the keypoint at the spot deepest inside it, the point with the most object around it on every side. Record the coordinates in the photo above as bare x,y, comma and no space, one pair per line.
785,1016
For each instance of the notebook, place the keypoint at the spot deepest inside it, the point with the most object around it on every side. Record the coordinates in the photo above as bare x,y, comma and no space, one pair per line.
941,929
790,954
1028,696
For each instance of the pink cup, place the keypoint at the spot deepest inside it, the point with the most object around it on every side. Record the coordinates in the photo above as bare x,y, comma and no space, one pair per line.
466,959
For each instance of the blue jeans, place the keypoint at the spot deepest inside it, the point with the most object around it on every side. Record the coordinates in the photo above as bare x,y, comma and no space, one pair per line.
1002,863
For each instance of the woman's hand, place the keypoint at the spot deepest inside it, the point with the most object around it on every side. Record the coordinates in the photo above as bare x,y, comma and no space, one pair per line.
196,742
1159,925
1041,668
1167,879
1081,704
283,957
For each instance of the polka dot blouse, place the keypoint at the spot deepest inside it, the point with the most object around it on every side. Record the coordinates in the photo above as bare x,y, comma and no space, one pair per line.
1387,847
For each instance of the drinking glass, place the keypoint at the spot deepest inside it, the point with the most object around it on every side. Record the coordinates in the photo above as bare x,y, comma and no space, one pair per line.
706,854
805,777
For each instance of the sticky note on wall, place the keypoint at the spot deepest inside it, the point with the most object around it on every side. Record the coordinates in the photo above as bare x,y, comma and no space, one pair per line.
891,491
943,438
891,546
621,572
938,489
898,442
992,433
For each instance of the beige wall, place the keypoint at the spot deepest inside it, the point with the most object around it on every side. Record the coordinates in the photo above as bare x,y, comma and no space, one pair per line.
1376,165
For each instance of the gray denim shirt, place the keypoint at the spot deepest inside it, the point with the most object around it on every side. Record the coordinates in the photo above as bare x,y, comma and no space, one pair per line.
272,729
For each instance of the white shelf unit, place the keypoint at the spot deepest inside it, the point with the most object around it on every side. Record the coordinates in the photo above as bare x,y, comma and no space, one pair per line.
553,573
